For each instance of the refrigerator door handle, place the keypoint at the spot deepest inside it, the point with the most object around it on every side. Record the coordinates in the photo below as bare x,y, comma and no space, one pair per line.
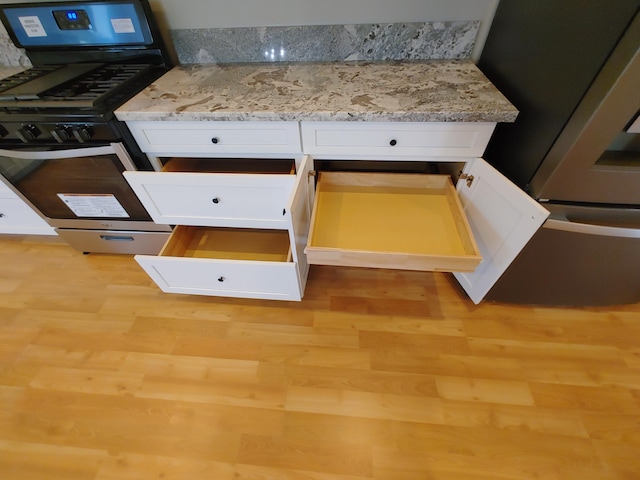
591,229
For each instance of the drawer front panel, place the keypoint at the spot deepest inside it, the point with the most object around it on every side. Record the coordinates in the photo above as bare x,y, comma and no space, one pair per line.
228,278
249,200
17,217
213,138
397,139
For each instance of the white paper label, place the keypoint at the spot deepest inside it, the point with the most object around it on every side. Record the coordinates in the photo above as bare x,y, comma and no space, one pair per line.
122,25
93,205
32,26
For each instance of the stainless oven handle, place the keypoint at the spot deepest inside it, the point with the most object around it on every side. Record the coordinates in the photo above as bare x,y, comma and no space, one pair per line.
113,149
57,154
591,229
123,155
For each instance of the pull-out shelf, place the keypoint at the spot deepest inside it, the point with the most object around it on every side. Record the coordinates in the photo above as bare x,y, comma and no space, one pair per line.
390,220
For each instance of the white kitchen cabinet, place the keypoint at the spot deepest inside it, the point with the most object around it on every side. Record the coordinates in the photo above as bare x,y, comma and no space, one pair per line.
373,219
16,217
238,234
396,140
216,138
191,192
226,262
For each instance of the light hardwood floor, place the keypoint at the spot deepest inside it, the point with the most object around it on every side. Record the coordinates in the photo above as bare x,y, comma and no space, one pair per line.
375,375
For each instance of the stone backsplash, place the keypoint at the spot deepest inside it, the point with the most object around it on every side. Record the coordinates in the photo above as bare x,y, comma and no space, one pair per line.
10,56
312,43
327,43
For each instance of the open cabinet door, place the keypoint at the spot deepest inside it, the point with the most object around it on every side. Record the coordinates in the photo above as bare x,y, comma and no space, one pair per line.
502,217
299,217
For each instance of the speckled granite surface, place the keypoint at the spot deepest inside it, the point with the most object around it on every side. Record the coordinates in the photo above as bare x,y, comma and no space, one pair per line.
400,91
327,43
10,55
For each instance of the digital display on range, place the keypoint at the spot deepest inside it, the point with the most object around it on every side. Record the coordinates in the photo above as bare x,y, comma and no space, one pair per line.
72,19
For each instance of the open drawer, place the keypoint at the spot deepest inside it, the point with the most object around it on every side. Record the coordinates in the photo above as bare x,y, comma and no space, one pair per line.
226,192
230,262
390,220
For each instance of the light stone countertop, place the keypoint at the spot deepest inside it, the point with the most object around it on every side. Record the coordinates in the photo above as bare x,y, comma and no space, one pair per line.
435,91
8,71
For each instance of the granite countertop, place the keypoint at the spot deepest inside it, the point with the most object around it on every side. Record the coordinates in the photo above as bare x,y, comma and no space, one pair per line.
8,71
438,91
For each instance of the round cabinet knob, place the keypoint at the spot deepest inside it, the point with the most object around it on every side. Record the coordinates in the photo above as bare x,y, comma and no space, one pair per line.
83,134
221,279
216,200
28,133
215,140
61,134
393,142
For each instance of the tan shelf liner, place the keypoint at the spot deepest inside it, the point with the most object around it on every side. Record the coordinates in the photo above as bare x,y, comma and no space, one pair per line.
390,220
228,244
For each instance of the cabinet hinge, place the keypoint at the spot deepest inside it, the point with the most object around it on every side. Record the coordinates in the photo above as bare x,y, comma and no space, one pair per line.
467,177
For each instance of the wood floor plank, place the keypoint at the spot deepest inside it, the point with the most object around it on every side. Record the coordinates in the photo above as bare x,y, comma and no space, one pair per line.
375,375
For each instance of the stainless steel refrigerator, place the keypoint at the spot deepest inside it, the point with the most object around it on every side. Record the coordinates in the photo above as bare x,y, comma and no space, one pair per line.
572,68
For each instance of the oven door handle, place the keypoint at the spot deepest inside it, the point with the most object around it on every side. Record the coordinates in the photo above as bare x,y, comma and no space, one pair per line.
591,229
58,154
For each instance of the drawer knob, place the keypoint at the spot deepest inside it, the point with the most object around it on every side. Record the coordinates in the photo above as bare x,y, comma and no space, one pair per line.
215,140
1,215
221,279
216,200
393,142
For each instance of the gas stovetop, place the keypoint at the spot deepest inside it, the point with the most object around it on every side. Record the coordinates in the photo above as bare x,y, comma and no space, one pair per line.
84,85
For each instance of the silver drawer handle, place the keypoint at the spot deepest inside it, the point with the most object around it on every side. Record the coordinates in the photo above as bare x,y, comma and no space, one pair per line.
117,238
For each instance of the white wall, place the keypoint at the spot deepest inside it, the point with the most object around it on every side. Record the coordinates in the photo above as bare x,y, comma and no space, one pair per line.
180,14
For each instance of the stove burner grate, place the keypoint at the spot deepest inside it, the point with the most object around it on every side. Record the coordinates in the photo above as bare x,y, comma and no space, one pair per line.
87,90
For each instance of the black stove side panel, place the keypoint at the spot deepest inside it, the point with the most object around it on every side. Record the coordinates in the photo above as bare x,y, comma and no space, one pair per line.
543,55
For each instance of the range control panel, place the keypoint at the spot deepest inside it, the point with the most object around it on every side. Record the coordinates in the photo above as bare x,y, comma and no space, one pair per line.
77,24
55,133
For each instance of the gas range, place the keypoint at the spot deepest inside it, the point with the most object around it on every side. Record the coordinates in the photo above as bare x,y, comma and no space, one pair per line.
88,58
62,150
68,104
85,85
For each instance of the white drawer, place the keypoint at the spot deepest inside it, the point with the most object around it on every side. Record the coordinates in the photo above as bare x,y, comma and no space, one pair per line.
230,199
390,220
217,138
226,262
395,139
17,217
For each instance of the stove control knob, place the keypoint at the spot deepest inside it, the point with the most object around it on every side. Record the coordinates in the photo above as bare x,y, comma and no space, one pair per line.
61,134
83,134
28,133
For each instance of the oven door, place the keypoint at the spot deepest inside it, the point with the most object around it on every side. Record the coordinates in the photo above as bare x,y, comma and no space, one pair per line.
82,187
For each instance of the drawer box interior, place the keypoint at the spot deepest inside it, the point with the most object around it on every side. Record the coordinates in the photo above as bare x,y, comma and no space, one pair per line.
229,165
228,244
390,220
